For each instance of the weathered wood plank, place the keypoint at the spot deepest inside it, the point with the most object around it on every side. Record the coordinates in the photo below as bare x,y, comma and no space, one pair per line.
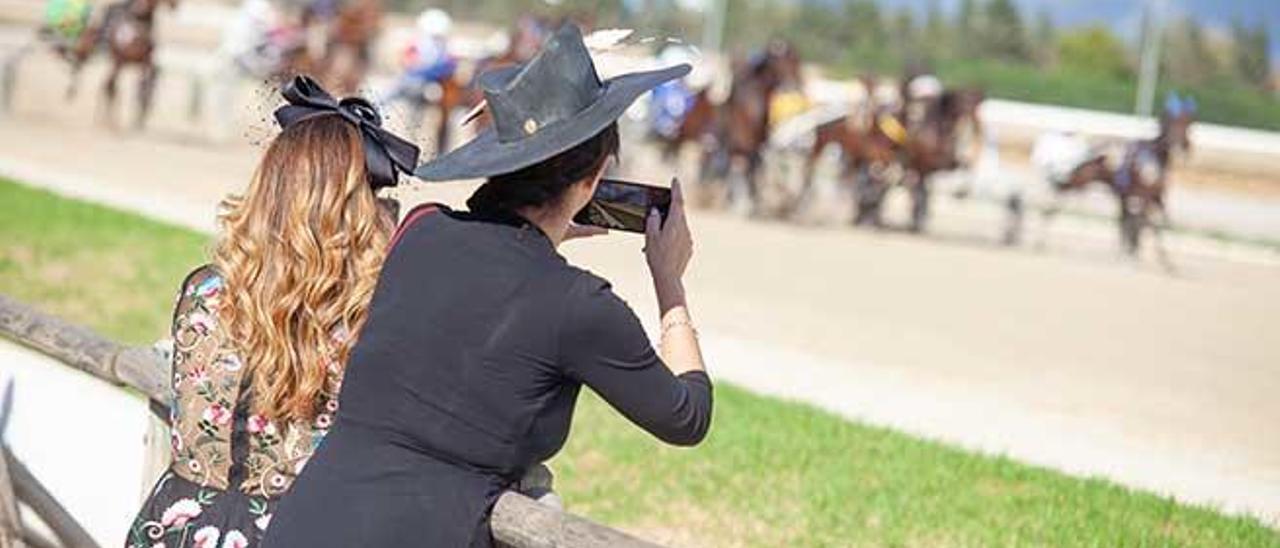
29,490
520,522
81,348
10,520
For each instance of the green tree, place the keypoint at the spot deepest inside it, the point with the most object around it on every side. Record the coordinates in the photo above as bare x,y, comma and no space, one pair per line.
1187,57
1094,49
903,31
1044,40
1252,54
1003,34
937,37
966,29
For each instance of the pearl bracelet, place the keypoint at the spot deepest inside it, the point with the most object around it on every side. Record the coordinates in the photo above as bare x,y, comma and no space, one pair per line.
668,326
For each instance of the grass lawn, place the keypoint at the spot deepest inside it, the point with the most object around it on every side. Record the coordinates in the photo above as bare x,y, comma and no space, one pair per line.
772,473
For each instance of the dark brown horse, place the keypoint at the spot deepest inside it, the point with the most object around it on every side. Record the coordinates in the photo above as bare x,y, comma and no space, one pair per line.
1139,182
741,128
867,150
696,124
933,145
127,31
1142,178
348,51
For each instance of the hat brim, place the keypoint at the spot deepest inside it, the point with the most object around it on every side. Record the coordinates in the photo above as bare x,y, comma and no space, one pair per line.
486,156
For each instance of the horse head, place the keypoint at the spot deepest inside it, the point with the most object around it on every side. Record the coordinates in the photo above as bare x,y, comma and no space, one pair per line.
1175,122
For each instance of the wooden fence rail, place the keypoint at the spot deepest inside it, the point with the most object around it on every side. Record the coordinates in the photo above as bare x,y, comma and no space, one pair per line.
517,520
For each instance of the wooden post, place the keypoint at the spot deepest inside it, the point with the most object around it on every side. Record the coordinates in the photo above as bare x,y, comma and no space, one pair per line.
29,490
10,521
520,522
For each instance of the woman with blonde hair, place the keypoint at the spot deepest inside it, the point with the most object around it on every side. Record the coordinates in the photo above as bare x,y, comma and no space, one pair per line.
261,334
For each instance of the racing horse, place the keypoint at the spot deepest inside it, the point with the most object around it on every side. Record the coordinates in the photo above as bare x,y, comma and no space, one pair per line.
937,143
1142,178
348,51
864,140
127,31
741,127
1138,183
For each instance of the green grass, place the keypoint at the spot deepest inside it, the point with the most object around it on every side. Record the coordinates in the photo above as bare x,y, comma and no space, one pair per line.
113,271
772,473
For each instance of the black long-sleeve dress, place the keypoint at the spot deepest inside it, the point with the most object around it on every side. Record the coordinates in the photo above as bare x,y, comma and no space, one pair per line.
479,338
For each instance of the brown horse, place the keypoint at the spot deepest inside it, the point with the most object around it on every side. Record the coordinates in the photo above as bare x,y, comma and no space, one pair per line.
348,51
696,124
741,128
865,149
126,29
1139,183
1142,178
1092,170
933,145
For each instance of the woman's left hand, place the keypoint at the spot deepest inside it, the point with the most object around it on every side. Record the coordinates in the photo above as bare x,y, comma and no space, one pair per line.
576,231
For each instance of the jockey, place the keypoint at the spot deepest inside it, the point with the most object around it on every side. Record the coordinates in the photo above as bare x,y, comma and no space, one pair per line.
64,20
427,60
672,100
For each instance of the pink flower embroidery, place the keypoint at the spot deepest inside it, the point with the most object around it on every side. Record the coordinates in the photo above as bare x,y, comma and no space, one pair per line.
198,375
194,466
263,522
324,420
178,514
235,539
206,537
257,423
217,414
277,481
202,322
331,405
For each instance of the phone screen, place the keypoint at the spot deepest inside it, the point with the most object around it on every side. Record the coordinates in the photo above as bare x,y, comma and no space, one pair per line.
624,205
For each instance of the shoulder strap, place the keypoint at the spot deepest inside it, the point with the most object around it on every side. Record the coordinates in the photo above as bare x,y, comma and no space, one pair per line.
414,215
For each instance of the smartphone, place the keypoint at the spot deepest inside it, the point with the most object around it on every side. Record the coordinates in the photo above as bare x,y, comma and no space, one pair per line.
624,205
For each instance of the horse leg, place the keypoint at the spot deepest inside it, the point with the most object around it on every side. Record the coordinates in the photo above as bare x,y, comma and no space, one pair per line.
107,110
1131,221
919,202
1157,234
1013,221
1047,214
146,91
868,195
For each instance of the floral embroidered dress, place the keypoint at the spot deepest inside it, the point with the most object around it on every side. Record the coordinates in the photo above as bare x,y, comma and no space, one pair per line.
229,466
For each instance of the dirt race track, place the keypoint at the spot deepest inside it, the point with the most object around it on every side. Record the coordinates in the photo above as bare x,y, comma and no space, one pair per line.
1070,357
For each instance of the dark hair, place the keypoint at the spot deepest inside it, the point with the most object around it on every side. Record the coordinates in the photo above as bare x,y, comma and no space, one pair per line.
544,182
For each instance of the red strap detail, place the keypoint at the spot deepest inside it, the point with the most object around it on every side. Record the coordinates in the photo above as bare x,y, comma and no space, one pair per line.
416,213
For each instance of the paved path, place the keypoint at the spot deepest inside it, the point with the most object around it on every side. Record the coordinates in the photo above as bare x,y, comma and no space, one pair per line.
1071,359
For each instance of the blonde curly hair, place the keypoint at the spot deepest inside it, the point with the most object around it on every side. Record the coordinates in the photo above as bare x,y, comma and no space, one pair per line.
299,254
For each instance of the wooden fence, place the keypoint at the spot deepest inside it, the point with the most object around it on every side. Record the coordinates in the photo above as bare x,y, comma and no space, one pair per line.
517,520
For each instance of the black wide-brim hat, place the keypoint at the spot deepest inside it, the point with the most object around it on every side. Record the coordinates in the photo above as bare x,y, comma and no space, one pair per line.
542,108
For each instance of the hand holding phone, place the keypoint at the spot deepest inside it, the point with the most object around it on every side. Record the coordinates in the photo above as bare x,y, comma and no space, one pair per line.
624,205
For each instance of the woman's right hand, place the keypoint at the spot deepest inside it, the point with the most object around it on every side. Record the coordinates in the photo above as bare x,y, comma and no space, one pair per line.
668,248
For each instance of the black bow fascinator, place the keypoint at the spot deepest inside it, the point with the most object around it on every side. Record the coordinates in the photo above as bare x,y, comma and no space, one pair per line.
385,154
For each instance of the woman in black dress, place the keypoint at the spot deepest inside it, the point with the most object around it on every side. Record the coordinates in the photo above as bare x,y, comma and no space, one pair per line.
480,335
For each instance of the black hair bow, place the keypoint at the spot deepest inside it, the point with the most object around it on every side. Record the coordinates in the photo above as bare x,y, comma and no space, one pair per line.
384,152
